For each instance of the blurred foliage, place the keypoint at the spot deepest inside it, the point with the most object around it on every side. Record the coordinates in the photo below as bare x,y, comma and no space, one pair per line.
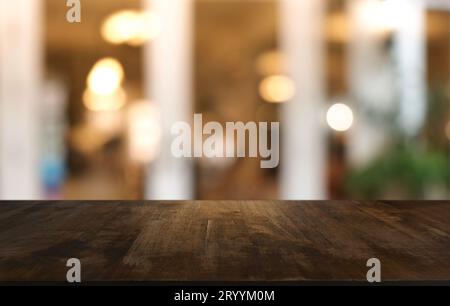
408,170
412,166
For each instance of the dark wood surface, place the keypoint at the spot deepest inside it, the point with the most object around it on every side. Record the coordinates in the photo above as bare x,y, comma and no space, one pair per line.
224,240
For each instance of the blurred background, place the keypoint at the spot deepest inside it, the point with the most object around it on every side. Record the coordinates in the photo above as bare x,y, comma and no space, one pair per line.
361,89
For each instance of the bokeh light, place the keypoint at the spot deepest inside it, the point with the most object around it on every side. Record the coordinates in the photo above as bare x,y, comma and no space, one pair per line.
131,27
277,89
105,77
340,117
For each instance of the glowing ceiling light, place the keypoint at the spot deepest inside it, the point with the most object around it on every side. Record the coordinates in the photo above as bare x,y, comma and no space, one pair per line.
277,89
131,27
340,117
105,77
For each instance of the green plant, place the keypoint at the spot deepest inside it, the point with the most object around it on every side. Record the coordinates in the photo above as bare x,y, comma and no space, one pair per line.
410,170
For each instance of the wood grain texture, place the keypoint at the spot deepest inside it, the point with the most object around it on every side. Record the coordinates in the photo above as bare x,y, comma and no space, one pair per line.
224,240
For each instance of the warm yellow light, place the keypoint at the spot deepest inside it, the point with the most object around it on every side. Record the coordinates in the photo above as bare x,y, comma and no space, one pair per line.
340,117
144,131
105,77
119,27
277,89
110,102
147,27
131,27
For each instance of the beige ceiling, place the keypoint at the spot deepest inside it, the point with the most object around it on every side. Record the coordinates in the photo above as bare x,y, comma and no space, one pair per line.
63,35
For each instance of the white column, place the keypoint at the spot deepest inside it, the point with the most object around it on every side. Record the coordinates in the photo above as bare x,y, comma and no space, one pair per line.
410,56
168,84
371,80
20,76
382,79
303,173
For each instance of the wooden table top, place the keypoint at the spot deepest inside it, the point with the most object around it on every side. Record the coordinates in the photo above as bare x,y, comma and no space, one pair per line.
224,240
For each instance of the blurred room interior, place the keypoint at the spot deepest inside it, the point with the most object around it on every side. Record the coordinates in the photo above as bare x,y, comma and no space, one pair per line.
361,89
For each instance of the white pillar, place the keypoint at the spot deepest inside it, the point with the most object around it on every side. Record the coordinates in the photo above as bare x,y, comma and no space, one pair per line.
20,80
168,84
371,80
382,79
410,56
303,173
